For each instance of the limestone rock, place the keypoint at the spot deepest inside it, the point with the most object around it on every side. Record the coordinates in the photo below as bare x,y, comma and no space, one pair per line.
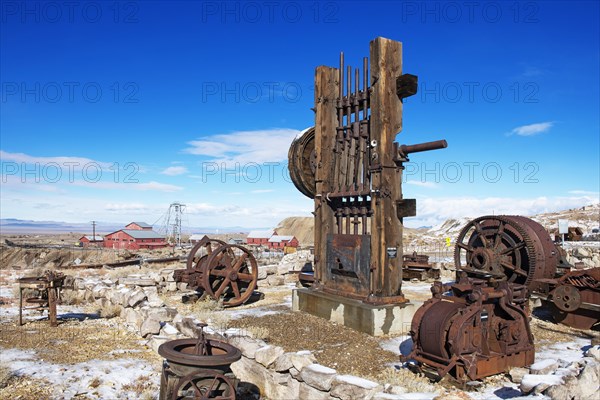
133,317
268,354
136,296
308,392
544,367
156,341
262,273
516,374
99,291
581,252
539,383
275,280
303,358
149,327
247,345
348,387
283,362
318,376
294,373
593,352
162,314
169,331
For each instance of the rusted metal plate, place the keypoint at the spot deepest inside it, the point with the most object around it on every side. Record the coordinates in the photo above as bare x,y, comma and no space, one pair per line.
348,263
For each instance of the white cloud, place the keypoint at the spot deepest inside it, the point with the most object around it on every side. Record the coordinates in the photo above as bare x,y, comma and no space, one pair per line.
63,161
433,211
270,145
532,129
262,191
422,184
172,171
583,192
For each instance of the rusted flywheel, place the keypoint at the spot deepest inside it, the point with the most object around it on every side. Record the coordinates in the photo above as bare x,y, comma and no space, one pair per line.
302,162
201,251
230,271
204,386
514,248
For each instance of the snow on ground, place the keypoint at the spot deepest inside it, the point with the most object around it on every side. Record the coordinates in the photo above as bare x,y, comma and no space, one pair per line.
569,351
74,380
401,345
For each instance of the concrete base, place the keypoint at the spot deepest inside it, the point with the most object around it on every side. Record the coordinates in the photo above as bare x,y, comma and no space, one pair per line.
374,320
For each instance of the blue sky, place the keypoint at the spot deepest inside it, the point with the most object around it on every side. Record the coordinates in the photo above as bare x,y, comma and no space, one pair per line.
110,111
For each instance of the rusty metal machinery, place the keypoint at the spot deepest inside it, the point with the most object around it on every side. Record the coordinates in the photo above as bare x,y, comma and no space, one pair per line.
520,250
352,168
198,369
472,329
514,248
574,298
48,288
220,270
417,266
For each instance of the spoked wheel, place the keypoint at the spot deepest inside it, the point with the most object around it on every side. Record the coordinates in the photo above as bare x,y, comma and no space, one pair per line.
202,250
511,247
231,271
204,385
302,163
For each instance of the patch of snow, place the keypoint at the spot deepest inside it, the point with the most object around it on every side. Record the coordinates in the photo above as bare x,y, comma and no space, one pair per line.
71,380
569,351
401,345
356,381
321,369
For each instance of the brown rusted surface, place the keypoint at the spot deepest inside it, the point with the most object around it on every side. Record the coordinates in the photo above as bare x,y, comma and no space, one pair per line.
47,286
574,298
478,330
514,248
198,368
352,167
228,272
417,266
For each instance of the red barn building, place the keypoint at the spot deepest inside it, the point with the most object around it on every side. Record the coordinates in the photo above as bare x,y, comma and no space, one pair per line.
90,240
281,242
260,238
140,226
134,239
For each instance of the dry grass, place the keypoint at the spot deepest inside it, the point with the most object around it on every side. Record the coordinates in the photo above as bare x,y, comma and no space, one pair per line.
70,297
209,311
73,341
258,332
110,310
142,387
24,388
407,379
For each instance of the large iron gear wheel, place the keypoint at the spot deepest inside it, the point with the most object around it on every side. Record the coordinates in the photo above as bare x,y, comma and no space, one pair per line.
514,248
302,163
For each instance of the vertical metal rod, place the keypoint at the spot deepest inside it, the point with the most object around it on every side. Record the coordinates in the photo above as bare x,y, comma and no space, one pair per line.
365,141
348,222
355,222
363,214
356,131
348,135
339,129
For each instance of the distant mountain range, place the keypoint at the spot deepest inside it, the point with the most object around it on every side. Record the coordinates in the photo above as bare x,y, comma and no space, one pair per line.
13,225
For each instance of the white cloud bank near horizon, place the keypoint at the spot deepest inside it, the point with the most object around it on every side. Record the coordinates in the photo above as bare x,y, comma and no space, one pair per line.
531,129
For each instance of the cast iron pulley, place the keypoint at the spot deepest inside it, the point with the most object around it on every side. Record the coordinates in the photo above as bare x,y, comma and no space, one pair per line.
514,248
204,386
230,272
566,297
302,163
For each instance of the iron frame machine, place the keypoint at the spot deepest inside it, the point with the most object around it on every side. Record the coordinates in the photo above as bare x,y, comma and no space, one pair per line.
479,326
352,168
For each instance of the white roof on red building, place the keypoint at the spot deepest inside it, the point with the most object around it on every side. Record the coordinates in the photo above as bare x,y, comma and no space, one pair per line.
280,238
261,234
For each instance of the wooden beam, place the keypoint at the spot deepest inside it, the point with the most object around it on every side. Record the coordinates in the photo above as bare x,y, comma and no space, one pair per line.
326,90
386,122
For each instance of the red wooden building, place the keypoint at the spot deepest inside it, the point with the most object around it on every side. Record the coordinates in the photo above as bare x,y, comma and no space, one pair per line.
90,240
260,238
281,242
134,239
140,226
